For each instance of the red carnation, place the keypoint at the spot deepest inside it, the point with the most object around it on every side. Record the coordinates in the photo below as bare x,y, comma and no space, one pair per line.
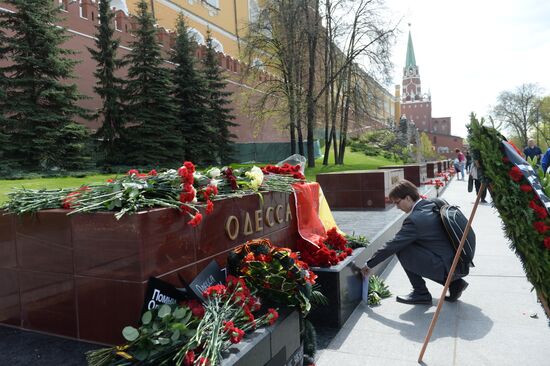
228,326
209,207
541,227
236,335
215,290
515,173
526,188
195,220
152,173
133,171
547,243
272,316
189,358
190,166
196,308
203,361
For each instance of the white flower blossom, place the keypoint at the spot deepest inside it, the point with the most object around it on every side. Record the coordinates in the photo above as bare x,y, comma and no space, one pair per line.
214,172
257,177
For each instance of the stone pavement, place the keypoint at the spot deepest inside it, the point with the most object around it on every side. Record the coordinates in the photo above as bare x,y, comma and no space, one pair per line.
496,322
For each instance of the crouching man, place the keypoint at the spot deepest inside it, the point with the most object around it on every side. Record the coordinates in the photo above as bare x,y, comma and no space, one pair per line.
422,247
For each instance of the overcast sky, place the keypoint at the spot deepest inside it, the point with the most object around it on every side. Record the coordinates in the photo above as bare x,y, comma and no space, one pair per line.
469,51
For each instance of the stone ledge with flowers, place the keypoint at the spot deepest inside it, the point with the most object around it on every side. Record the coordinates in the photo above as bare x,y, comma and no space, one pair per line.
67,255
226,329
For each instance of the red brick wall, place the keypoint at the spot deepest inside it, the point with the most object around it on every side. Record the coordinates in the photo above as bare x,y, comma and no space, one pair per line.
418,112
447,143
82,31
441,125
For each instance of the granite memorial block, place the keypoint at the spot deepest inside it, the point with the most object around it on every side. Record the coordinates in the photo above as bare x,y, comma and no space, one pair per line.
415,173
359,190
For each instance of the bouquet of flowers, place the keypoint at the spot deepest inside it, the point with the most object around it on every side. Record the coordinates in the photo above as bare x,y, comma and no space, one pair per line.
164,330
330,251
277,274
190,334
185,189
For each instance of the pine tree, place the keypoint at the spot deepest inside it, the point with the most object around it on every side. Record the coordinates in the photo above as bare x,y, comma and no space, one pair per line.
190,95
108,86
154,137
219,116
39,104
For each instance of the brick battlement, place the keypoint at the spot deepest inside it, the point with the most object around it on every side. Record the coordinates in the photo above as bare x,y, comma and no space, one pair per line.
80,17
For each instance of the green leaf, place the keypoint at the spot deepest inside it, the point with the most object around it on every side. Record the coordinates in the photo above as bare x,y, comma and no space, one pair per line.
164,311
175,336
179,313
146,318
130,333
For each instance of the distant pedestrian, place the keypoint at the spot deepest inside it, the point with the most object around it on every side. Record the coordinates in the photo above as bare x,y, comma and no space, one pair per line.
475,175
468,161
532,151
459,163
545,161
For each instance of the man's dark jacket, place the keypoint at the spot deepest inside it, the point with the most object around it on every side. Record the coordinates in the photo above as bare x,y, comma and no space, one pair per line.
422,235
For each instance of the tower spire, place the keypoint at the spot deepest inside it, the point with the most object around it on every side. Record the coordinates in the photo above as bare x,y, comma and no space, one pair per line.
410,61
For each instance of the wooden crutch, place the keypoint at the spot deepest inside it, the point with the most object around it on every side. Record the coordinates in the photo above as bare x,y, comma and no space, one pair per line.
451,273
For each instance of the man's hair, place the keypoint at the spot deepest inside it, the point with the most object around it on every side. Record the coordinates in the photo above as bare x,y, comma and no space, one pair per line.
403,189
457,150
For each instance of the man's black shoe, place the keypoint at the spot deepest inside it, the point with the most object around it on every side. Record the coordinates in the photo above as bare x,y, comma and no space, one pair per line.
414,298
455,289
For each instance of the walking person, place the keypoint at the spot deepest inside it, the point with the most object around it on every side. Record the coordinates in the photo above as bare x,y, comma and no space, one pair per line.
468,161
474,176
459,161
532,151
421,246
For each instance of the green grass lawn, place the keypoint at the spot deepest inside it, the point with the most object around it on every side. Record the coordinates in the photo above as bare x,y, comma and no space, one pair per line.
353,160
49,183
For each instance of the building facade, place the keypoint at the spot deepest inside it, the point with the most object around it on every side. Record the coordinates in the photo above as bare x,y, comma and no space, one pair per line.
416,107
264,138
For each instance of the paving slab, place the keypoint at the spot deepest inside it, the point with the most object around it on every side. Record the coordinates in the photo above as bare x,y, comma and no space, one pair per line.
496,322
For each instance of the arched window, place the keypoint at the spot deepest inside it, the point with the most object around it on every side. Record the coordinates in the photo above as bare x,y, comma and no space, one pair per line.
216,45
196,36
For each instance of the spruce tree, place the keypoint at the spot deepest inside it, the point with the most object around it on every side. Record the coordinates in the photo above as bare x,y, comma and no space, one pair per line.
219,115
108,85
190,95
154,137
39,104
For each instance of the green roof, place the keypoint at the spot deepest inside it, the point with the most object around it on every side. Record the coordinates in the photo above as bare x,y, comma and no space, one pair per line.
411,61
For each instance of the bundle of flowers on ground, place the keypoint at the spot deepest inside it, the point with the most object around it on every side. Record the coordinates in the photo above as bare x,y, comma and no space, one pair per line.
437,183
185,189
445,176
277,275
189,334
521,203
330,250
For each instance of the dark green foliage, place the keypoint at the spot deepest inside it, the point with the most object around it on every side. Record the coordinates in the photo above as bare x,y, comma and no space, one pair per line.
154,135
191,100
108,86
37,102
220,117
513,206
381,142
